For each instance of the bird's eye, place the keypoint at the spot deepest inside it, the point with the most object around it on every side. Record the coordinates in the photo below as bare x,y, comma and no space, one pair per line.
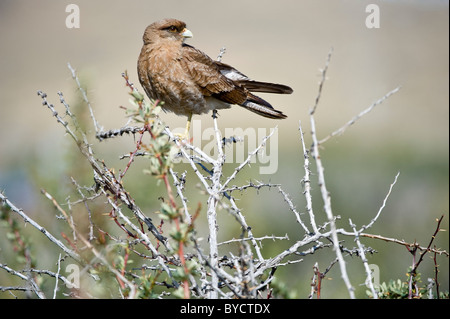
172,28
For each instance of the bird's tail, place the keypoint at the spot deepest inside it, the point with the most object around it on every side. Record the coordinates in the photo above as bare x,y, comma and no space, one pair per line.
262,107
266,87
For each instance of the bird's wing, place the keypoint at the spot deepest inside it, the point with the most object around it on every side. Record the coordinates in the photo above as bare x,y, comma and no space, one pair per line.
227,84
251,85
206,74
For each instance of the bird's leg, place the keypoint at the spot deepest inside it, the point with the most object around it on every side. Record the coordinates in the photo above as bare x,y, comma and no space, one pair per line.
188,126
186,132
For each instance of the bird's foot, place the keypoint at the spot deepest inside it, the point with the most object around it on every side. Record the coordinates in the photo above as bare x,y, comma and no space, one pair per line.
183,137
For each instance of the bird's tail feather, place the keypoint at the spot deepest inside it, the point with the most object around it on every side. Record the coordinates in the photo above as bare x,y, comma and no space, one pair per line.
265,87
262,107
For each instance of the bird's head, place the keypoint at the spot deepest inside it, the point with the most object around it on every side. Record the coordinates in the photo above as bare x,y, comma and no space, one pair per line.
167,29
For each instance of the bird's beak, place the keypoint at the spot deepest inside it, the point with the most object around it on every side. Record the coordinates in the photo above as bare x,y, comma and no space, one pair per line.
186,33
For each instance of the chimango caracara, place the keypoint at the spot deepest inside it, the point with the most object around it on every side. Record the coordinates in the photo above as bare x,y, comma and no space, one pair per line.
190,82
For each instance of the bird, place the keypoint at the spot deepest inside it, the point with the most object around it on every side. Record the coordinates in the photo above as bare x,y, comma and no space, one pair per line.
189,82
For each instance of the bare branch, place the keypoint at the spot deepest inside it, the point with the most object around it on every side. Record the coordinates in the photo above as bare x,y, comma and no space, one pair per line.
360,115
29,220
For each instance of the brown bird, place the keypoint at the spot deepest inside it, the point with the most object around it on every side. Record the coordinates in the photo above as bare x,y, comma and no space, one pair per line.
190,82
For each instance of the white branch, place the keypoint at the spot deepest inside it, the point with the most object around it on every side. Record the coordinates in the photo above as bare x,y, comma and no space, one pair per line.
360,115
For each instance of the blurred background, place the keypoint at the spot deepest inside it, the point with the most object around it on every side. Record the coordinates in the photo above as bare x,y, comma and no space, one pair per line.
276,41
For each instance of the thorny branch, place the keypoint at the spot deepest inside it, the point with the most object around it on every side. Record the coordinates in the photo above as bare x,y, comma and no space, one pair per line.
195,268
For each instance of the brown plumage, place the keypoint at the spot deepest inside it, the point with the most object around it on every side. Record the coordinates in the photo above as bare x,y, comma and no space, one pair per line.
190,82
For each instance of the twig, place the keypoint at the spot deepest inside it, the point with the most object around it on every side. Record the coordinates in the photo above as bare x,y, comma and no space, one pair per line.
403,243
292,208
257,186
413,272
307,182
141,235
29,220
323,189
363,228
85,98
239,240
179,186
132,155
436,271
57,275
91,247
49,273
85,202
362,254
118,132
321,82
236,212
314,281
360,115
246,161
429,244
221,53
33,285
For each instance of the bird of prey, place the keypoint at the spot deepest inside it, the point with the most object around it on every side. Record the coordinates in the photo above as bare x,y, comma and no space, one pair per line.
189,82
